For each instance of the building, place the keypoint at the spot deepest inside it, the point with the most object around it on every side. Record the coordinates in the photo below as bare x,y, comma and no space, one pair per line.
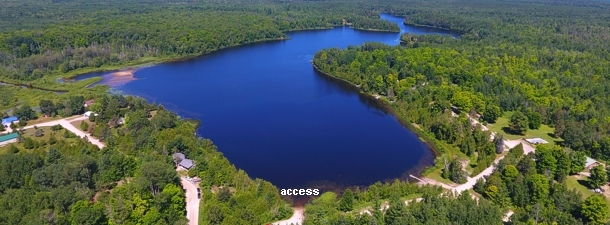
6,122
536,141
89,113
7,139
590,163
181,160
88,103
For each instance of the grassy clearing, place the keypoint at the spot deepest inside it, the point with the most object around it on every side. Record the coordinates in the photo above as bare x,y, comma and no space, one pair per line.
30,133
581,185
545,132
369,205
77,124
436,175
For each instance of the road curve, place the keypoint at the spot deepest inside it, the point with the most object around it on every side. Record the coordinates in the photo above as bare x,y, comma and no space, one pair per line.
295,219
66,124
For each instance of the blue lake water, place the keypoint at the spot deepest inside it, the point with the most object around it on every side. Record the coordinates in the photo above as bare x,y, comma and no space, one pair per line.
271,114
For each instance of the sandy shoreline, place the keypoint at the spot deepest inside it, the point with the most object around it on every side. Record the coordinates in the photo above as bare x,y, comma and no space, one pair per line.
127,72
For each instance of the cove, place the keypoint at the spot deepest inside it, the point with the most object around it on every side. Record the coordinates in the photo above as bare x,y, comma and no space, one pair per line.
271,114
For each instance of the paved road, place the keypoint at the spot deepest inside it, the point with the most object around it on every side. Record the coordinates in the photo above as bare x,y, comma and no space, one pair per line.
66,124
192,202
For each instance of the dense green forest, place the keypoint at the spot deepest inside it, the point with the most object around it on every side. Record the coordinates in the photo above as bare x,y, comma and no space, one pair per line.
547,63
39,39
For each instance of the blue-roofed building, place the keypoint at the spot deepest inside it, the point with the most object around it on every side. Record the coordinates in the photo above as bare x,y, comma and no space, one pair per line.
7,121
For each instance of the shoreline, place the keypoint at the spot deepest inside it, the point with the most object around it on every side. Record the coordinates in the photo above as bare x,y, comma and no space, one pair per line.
388,107
375,30
440,28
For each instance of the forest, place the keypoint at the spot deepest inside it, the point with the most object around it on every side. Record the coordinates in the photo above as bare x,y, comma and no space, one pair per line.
546,63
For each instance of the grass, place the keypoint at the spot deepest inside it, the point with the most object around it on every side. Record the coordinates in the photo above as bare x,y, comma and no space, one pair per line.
41,119
30,133
545,132
436,175
581,185
77,124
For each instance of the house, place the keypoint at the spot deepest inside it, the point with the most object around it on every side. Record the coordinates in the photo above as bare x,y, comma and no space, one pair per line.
590,163
181,160
88,103
88,114
7,139
186,163
536,141
6,122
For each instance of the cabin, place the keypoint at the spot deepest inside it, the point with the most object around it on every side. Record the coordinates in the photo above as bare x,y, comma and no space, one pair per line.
7,139
590,163
181,161
6,122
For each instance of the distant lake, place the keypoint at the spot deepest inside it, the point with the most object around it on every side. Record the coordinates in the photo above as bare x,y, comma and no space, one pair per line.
271,114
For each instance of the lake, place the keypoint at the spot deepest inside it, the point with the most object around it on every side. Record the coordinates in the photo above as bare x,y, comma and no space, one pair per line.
271,114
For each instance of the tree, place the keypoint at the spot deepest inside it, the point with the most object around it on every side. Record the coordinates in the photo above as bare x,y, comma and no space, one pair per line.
2,128
534,120
47,107
499,142
347,201
518,123
396,212
546,163
84,126
86,214
25,113
154,175
595,209
510,173
491,113
598,176
578,159
13,126
540,188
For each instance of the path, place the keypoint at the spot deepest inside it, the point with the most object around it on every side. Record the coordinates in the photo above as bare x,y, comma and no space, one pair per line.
66,124
295,219
192,202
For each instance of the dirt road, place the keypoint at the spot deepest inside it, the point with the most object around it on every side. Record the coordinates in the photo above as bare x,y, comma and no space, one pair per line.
66,124
192,202
295,219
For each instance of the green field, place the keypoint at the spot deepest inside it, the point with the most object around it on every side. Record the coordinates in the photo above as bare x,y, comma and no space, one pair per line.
579,184
545,132
30,133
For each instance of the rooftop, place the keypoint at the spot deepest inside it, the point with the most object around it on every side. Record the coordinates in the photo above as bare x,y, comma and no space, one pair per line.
10,119
8,137
186,163
590,162
537,141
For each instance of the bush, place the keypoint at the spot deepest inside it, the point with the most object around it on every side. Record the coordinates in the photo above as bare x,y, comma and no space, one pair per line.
29,143
57,127
84,126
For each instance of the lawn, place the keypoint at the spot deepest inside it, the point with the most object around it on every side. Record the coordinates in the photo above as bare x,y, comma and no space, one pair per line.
581,185
545,132
30,133
436,175
77,124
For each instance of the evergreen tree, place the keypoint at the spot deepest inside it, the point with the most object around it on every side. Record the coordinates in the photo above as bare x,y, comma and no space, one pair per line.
347,201
499,142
